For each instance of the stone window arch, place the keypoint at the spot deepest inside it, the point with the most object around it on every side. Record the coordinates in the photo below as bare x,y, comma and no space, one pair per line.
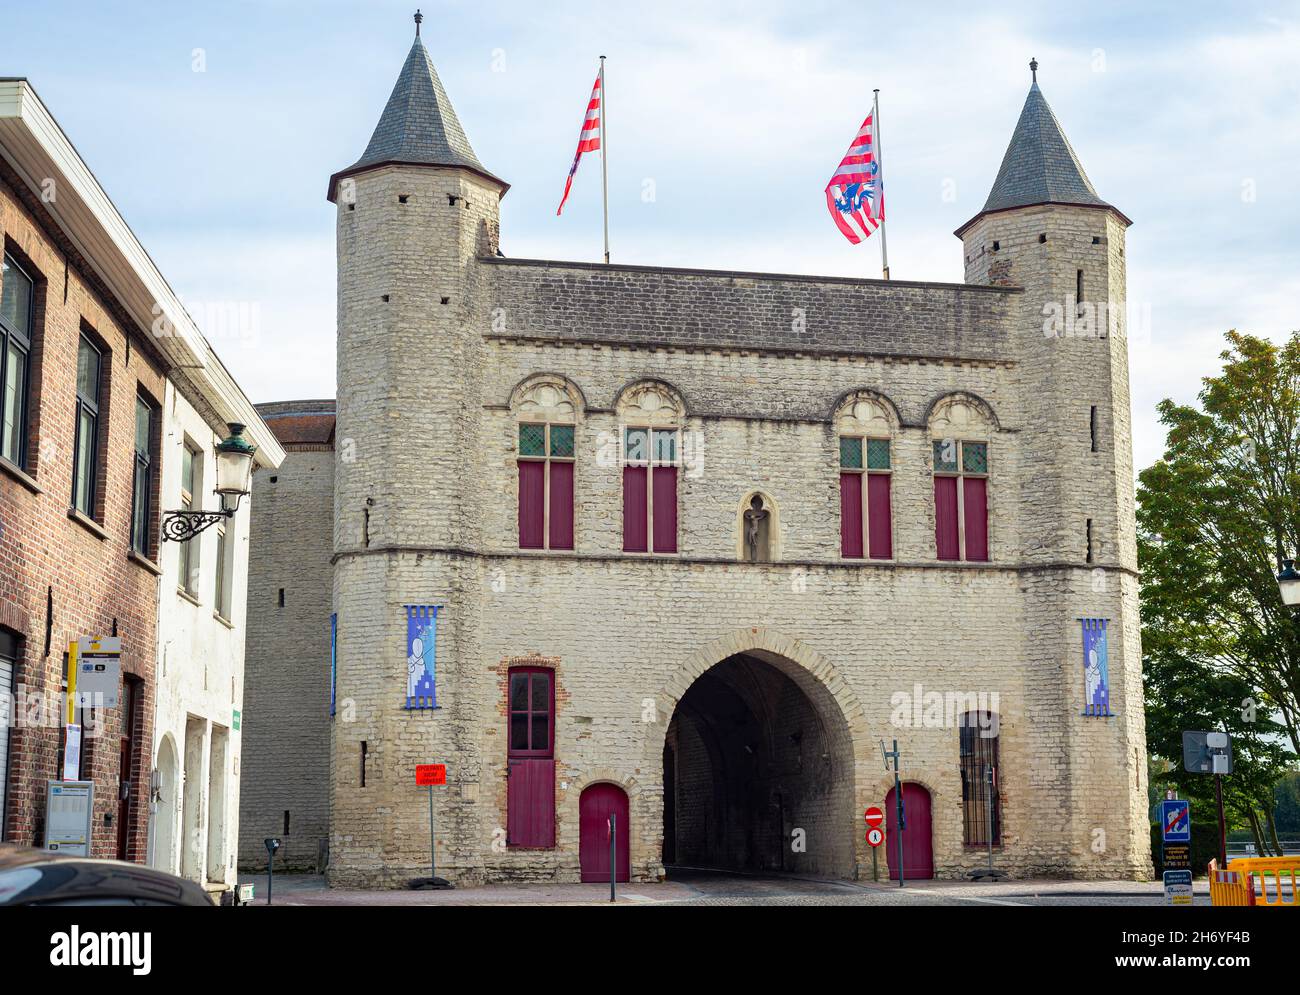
547,409
961,428
650,415
758,528
865,425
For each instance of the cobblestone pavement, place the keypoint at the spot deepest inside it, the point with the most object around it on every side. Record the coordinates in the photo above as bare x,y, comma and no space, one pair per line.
706,887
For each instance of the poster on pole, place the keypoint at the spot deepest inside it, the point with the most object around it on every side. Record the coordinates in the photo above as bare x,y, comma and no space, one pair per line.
1096,667
421,643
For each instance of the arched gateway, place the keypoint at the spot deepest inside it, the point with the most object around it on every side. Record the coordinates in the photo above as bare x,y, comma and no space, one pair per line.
759,761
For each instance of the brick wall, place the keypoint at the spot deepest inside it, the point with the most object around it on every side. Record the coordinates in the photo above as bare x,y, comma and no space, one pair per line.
61,577
286,727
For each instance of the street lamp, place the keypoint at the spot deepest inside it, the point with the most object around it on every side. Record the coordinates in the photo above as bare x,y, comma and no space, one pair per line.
234,480
1288,581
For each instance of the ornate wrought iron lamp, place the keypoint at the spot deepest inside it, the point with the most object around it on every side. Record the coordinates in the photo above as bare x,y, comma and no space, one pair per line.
234,480
1288,581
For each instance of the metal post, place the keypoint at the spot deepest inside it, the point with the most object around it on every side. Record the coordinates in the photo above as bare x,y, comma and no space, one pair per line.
902,817
270,874
1223,833
880,178
613,859
604,167
875,865
433,854
989,801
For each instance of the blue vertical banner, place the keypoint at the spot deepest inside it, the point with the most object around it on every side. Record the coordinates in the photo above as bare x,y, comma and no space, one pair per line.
334,660
1096,667
421,641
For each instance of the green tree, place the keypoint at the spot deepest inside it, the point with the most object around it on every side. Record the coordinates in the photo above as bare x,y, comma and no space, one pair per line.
1215,515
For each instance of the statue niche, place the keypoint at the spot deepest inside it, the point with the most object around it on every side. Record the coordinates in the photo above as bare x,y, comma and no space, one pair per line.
758,531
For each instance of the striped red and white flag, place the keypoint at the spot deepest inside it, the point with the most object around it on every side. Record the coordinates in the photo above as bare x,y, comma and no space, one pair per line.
588,138
855,196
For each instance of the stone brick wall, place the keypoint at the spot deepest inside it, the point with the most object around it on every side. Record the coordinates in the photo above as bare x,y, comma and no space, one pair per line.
286,724
440,347
64,576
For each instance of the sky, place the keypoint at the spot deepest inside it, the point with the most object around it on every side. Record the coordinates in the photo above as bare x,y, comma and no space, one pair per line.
214,127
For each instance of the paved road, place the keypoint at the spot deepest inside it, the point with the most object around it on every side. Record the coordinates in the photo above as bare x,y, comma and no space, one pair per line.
703,887
720,888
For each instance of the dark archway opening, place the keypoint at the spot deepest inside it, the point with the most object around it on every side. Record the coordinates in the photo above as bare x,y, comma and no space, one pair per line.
758,773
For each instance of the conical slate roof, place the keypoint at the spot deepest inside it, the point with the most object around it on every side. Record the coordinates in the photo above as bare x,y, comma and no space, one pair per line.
1040,166
419,126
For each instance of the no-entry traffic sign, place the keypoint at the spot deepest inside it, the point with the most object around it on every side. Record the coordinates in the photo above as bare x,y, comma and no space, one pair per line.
1176,818
874,816
430,774
875,837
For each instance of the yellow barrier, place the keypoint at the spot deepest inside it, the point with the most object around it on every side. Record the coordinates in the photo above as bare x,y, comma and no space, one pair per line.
1230,887
1272,870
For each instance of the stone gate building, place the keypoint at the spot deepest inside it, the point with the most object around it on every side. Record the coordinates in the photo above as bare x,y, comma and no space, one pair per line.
685,546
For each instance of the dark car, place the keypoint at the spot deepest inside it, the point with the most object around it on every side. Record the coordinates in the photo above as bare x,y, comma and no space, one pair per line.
32,877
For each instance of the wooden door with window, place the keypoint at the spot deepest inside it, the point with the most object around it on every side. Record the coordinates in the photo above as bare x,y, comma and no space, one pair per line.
530,765
126,759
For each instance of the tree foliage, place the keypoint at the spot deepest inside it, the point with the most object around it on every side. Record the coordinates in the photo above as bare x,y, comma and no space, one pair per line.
1215,516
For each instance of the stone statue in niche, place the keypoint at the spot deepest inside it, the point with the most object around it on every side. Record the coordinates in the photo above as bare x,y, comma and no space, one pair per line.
757,531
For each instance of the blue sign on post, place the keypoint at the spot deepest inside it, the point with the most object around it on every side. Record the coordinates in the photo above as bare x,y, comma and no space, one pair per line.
1176,821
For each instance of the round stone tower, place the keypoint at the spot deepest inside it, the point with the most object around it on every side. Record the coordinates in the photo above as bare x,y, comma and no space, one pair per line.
1045,229
415,213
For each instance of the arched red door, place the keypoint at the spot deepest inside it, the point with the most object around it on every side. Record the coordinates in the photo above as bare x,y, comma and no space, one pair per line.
918,856
597,804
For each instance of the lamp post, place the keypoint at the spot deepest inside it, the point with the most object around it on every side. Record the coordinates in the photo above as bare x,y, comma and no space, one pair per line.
234,481
1288,582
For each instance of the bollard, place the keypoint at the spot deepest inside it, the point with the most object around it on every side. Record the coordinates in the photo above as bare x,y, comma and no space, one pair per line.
613,853
272,844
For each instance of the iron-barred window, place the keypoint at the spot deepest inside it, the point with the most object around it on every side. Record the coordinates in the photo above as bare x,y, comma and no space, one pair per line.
981,801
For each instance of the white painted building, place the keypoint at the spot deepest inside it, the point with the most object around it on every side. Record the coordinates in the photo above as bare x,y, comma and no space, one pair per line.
194,824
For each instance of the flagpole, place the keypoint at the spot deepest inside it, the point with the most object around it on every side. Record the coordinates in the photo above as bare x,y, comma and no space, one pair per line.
604,164
875,138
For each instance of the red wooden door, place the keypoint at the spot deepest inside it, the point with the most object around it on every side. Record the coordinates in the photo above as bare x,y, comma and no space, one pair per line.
530,792
598,802
918,857
530,803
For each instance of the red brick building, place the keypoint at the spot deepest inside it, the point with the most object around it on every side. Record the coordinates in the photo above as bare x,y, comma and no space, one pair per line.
88,332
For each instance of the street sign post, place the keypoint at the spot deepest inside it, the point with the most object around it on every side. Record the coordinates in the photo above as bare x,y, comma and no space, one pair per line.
1176,850
898,798
431,775
99,672
874,816
1176,821
1210,753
